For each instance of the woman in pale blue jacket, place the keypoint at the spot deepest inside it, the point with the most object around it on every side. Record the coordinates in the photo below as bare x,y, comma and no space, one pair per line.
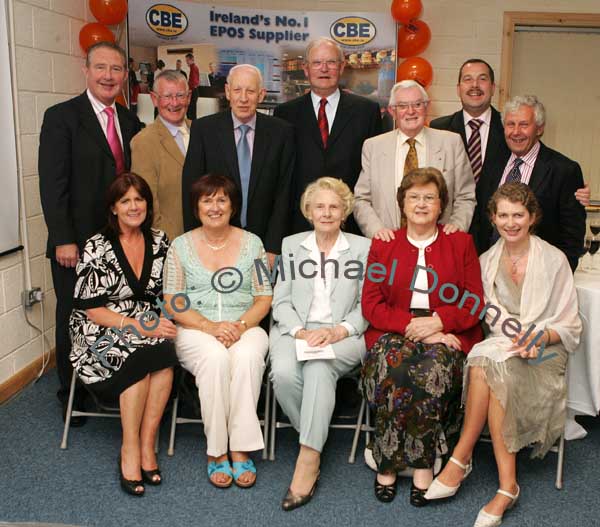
321,307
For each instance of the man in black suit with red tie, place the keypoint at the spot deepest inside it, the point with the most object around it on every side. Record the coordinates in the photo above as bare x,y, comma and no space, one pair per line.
84,144
331,126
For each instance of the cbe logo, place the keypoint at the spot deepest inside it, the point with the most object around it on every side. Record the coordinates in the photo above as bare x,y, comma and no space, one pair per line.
166,20
353,31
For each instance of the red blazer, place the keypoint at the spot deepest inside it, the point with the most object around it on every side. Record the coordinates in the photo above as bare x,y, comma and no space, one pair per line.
194,78
453,259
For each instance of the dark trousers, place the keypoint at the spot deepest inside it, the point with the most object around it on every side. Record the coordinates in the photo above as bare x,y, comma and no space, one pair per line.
64,286
191,112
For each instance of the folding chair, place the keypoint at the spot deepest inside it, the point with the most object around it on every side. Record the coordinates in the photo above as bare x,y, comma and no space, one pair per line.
357,426
105,411
177,420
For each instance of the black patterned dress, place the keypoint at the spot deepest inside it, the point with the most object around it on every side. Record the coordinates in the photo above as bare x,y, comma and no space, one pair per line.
106,359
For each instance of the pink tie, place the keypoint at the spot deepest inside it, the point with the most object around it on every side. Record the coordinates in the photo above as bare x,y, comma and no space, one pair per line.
113,140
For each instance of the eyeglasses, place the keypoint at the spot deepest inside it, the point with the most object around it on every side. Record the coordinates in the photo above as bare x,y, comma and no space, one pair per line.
316,64
173,96
403,106
416,198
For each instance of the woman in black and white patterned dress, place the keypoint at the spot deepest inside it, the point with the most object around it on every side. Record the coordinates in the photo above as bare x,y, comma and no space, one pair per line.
121,346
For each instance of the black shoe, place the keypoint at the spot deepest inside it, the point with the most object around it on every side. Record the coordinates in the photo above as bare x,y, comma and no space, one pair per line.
385,493
293,501
149,476
130,486
417,496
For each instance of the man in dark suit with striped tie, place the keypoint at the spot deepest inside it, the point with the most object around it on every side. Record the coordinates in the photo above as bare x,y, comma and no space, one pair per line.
553,178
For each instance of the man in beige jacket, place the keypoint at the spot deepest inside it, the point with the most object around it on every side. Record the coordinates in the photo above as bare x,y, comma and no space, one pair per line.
158,151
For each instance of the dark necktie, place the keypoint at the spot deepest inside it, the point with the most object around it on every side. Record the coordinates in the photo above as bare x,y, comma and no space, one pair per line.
474,148
113,140
323,123
514,176
411,161
245,165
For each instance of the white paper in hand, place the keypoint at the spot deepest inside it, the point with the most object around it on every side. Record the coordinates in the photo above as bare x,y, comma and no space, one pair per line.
306,352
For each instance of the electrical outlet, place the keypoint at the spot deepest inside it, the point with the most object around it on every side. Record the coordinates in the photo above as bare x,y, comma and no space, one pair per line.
31,296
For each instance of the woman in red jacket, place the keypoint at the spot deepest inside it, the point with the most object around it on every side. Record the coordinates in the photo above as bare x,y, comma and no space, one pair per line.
421,328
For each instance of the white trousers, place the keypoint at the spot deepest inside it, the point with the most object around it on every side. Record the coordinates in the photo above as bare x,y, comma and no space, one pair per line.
228,381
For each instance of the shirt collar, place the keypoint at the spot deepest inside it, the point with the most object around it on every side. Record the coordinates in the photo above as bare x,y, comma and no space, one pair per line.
486,117
97,105
419,138
237,123
529,158
310,243
173,130
332,99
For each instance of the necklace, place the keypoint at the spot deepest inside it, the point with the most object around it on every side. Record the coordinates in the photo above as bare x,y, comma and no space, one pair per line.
514,260
214,247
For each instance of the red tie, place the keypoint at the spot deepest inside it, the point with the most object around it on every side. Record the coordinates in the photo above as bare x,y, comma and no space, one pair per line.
323,124
113,140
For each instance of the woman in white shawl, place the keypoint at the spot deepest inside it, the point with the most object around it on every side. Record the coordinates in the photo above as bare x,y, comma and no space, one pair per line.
515,378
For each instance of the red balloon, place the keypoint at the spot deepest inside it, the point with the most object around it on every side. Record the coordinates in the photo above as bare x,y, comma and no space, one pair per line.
121,100
109,12
93,33
413,38
417,69
404,11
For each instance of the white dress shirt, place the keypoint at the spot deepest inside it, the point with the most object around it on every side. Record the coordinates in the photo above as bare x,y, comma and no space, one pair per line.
320,307
484,129
421,300
330,108
102,117
176,133
526,168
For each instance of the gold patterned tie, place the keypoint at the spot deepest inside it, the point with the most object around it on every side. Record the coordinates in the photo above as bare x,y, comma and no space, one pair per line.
411,160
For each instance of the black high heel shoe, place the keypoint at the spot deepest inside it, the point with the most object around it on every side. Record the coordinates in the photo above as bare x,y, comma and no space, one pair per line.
293,501
417,496
149,476
385,493
130,486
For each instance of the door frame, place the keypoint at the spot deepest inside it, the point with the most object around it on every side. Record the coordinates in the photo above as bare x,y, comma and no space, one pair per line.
531,18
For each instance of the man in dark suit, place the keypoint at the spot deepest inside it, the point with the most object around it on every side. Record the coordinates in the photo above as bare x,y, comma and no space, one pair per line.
553,178
254,150
84,143
331,126
475,89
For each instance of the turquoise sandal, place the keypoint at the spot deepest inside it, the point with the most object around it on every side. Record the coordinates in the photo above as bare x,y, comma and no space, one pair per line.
239,467
223,468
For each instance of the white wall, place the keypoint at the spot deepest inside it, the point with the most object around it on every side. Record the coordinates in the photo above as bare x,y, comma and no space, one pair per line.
49,70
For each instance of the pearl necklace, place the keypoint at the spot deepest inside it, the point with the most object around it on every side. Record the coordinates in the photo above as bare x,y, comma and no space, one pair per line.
214,247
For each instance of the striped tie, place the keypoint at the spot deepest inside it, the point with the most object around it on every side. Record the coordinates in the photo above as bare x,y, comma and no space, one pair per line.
474,148
514,176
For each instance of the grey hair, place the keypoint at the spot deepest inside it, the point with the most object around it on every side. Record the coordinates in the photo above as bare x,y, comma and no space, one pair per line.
404,85
169,75
324,40
532,101
246,66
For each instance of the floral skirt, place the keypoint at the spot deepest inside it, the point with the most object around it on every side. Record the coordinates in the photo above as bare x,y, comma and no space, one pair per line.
414,390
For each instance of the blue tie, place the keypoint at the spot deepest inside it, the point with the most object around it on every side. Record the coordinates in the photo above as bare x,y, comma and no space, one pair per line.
244,164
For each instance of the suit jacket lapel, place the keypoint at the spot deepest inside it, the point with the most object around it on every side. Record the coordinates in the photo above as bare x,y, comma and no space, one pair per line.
538,175
168,142
127,132
495,137
343,258
457,124
343,116
387,176
433,146
259,150
90,122
227,142
311,121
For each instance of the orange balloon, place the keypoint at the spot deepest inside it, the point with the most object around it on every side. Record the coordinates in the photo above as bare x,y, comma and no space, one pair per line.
109,12
121,100
415,68
93,33
404,11
413,38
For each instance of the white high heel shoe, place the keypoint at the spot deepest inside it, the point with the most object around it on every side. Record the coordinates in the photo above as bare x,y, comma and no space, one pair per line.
437,490
485,519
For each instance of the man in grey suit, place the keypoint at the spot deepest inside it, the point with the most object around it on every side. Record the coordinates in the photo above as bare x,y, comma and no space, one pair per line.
387,157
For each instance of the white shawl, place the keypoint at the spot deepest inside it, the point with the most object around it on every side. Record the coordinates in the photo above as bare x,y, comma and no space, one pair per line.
548,300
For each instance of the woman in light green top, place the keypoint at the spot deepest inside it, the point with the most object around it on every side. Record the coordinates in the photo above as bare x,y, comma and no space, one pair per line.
219,339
